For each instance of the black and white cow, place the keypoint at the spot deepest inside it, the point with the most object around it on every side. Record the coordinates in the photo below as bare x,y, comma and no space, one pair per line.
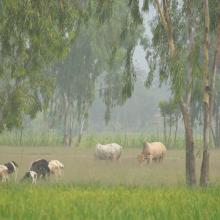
41,168
12,167
30,175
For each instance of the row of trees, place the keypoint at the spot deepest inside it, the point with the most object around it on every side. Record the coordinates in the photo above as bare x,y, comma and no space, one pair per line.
100,49
99,38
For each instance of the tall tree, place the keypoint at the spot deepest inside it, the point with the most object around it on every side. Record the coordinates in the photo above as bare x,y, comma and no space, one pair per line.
209,85
33,34
206,99
174,30
104,47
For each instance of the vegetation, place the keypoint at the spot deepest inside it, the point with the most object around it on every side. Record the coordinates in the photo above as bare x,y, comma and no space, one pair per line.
184,30
100,202
55,56
127,140
33,35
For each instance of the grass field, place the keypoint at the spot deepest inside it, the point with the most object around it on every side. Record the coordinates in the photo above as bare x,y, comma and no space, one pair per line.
92,189
81,167
84,202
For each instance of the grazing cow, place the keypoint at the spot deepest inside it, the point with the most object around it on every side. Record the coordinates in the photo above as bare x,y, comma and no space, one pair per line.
56,167
41,168
152,151
108,152
12,167
3,173
30,175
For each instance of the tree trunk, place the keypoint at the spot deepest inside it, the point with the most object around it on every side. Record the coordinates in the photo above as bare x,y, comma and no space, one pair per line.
204,176
214,68
190,157
176,129
70,132
65,124
218,130
170,129
65,133
164,130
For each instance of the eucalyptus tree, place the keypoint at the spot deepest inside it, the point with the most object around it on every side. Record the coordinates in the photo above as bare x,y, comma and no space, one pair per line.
209,83
103,46
75,85
33,34
173,53
180,29
123,34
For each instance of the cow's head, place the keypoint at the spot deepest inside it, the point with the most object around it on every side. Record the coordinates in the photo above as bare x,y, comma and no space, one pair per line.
140,158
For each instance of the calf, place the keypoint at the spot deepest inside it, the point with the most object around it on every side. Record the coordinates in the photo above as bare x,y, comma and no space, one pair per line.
30,175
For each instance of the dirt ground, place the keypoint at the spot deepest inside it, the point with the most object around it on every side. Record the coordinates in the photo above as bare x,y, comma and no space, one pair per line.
81,167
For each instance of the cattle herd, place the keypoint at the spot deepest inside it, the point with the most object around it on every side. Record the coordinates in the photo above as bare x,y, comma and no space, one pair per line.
42,168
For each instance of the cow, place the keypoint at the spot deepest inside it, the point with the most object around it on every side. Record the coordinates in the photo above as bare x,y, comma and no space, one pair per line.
41,168
108,152
56,167
30,175
3,173
152,151
11,168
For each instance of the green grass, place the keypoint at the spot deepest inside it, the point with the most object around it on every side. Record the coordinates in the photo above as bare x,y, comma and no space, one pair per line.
99,202
52,138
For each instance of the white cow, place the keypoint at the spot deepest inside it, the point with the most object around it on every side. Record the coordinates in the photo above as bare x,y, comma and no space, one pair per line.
152,151
56,167
108,151
3,173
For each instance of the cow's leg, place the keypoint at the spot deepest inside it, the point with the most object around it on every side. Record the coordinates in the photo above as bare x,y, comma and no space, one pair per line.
5,178
161,158
149,159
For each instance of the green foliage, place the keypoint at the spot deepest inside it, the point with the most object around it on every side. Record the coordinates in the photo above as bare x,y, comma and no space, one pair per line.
33,34
168,107
98,49
175,70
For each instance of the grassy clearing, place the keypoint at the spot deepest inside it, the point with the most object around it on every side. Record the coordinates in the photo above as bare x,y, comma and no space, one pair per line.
102,190
100,202
81,167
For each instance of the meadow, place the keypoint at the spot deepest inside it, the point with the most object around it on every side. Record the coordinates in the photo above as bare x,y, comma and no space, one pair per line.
93,189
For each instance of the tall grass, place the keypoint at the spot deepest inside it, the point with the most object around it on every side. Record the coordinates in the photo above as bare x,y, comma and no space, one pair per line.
54,138
100,202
